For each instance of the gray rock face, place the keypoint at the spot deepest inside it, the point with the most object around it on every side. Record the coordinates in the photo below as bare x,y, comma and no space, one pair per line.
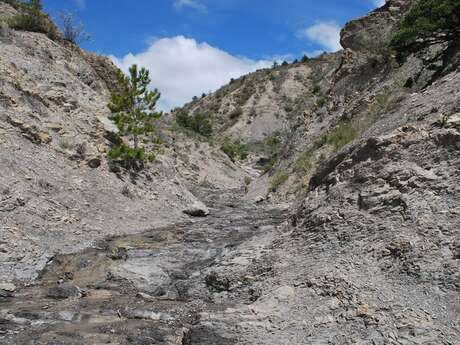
374,31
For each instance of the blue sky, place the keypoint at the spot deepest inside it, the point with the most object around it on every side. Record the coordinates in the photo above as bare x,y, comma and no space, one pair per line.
195,46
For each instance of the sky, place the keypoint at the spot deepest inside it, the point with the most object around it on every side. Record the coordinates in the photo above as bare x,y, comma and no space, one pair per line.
195,46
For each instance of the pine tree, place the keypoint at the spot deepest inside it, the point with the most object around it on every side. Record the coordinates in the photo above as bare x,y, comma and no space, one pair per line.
133,112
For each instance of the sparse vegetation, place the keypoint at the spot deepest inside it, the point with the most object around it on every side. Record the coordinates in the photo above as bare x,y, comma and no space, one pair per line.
316,90
245,93
270,147
321,101
32,19
425,19
269,165
278,180
65,144
133,112
71,31
236,113
304,162
199,123
4,29
344,133
380,104
235,149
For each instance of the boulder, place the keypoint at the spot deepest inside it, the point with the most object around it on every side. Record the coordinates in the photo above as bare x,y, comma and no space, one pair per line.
7,287
197,209
7,290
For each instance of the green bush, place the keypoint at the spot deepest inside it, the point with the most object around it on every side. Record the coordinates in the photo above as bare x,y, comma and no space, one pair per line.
304,162
344,133
316,90
198,123
269,165
321,101
278,180
426,18
235,149
33,19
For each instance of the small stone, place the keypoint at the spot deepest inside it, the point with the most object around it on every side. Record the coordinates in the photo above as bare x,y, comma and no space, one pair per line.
101,148
455,211
94,162
44,137
56,127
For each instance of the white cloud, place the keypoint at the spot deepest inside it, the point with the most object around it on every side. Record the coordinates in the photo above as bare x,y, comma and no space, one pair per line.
379,3
195,4
182,68
314,53
326,34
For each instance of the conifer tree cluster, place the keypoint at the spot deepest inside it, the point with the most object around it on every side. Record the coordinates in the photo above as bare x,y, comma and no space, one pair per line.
426,18
134,114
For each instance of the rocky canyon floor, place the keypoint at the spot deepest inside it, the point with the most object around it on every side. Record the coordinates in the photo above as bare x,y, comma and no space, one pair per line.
150,288
239,276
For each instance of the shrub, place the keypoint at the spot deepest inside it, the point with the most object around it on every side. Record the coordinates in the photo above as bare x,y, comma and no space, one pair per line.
33,19
304,163
425,19
236,113
198,123
380,104
65,144
269,164
322,101
72,32
344,133
288,108
273,142
235,149
278,180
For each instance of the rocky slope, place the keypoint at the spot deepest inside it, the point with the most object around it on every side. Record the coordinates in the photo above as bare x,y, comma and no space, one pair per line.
367,252
57,193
